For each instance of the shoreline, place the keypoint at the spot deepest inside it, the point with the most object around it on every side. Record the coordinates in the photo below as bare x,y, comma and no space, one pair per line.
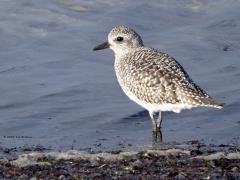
176,162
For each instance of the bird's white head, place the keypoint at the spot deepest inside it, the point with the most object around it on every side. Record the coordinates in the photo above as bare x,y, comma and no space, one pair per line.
121,40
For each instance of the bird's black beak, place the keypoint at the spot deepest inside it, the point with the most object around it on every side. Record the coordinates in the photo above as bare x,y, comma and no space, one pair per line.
102,46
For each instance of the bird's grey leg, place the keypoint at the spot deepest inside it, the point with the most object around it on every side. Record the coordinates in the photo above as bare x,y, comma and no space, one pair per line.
159,121
156,125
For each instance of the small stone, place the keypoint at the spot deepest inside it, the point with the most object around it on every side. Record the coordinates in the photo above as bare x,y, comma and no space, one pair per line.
234,169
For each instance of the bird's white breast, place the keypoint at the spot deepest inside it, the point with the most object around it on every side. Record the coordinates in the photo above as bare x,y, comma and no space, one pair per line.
177,108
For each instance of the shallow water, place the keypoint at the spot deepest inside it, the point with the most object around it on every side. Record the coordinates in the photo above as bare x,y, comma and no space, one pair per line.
58,93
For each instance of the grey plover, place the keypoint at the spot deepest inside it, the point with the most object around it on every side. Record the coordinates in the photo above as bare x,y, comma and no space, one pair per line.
153,79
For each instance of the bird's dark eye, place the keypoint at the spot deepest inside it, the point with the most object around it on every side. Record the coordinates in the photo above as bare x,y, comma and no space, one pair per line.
119,38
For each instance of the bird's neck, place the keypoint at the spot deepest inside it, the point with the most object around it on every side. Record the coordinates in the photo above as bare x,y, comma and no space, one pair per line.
120,53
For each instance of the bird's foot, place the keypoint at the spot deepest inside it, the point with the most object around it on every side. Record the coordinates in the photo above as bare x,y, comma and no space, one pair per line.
157,136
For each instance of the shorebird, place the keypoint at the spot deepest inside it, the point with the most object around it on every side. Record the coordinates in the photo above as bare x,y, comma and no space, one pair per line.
153,79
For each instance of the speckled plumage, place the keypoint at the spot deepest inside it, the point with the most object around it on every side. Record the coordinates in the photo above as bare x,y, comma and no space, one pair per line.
153,79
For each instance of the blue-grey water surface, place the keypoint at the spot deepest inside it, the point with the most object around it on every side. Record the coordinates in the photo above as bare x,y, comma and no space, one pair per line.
56,92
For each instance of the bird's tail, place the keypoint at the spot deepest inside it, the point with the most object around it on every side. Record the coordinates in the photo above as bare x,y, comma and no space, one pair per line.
213,103
209,102
197,96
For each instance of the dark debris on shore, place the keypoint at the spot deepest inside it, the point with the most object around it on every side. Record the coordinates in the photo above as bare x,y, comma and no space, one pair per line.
151,164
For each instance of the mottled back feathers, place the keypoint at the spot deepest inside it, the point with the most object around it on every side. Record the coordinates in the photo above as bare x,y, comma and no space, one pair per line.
157,78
